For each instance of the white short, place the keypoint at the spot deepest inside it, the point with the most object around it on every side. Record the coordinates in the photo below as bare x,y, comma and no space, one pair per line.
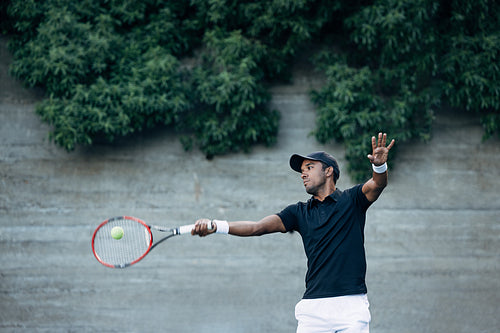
348,314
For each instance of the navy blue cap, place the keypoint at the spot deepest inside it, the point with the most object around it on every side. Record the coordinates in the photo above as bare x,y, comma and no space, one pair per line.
296,162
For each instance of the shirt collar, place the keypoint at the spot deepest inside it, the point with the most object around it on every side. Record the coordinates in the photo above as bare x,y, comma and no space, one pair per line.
334,197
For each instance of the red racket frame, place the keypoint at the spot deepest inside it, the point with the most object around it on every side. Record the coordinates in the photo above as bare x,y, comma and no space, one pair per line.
126,218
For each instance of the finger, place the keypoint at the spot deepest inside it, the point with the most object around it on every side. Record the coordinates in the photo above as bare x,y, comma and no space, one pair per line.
384,139
391,144
379,141
193,231
203,229
197,227
374,143
199,230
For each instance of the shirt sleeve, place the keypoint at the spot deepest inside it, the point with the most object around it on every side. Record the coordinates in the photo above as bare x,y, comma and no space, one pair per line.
360,197
289,217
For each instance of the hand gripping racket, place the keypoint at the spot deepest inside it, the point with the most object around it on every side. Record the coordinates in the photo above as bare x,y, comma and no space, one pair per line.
133,241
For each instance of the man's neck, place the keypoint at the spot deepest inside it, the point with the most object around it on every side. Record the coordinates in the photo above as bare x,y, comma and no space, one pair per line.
323,194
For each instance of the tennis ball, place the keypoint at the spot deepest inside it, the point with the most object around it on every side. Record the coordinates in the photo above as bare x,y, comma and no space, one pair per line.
117,232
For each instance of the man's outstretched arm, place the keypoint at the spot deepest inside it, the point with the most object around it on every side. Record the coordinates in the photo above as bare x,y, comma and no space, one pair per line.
374,187
267,225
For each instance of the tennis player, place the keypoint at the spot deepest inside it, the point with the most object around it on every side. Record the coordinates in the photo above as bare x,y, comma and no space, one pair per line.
331,224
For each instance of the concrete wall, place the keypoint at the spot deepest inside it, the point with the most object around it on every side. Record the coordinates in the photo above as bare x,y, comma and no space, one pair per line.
432,238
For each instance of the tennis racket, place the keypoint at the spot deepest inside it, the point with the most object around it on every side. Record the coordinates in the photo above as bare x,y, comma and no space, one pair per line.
122,241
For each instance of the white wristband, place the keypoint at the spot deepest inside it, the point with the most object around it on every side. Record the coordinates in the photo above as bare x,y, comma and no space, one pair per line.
222,227
379,169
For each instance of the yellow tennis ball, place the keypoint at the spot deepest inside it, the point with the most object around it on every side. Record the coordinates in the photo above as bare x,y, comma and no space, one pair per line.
117,232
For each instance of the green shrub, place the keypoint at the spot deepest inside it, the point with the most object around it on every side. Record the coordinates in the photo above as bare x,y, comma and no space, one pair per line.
112,68
402,60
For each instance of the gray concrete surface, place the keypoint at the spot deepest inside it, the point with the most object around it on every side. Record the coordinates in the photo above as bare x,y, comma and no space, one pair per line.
432,238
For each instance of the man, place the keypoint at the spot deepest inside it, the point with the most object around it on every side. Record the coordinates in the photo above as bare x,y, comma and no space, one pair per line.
331,225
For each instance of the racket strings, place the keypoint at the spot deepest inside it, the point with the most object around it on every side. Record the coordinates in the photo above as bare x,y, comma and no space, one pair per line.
132,246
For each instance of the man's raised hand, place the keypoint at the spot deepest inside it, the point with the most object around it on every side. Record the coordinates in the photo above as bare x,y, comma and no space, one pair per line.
379,150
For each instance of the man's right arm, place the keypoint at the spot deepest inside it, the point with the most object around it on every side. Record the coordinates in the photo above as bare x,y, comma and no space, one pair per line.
267,225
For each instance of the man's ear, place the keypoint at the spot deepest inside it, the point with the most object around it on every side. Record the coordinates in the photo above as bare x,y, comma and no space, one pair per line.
329,171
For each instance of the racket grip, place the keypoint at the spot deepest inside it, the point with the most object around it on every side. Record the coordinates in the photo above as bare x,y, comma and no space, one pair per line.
186,229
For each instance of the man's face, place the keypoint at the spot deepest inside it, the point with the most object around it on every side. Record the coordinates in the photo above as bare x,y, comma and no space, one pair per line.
313,176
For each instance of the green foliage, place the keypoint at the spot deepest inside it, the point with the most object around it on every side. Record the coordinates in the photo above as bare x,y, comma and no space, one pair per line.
470,67
410,57
116,67
281,26
352,108
5,20
153,93
112,68
66,53
229,84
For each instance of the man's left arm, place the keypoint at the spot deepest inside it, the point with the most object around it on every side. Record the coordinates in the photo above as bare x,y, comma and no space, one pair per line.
374,187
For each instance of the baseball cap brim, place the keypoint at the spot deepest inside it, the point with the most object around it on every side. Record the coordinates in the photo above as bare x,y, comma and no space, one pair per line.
296,161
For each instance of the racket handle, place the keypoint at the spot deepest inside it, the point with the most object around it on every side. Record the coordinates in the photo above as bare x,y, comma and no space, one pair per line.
186,229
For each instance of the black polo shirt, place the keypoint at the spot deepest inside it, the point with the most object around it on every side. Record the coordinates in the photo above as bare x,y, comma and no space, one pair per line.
333,235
